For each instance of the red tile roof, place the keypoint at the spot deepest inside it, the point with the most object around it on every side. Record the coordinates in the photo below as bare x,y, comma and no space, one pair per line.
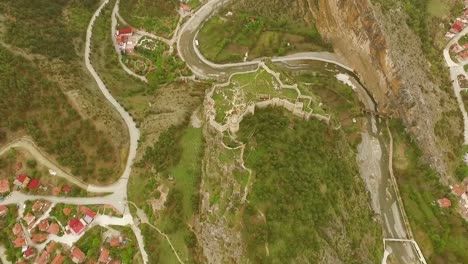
66,188
51,246
115,261
17,229
19,242
458,190
58,259
77,255
29,253
457,26
76,225
34,184
53,229
38,238
56,190
185,7
29,218
85,210
115,242
42,259
37,206
43,225
124,31
66,210
3,210
21,177
444,202
4,186
104,256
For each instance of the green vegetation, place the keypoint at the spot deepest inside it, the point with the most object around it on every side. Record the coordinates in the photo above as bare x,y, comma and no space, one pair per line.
32,95
176,157
306,185
156,16
441,233
247,89
259,29
6,224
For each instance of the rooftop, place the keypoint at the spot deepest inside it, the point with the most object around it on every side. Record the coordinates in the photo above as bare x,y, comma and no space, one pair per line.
76,226
58,259
77,255
104,256
4,186
34,184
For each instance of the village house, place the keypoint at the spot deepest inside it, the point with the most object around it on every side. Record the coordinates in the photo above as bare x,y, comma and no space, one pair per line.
89,214
76,225
53,229
4,186
19,242
34,184
29,218
3,210
66,211
104,256
37,206
115,241
43,258
185,7
77,256
29,253
43,225
21,180
58,259
66,189
38,238
444,202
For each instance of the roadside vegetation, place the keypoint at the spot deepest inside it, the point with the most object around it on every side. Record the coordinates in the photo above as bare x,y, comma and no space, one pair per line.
259,29
306,187
6,224
156,16
36,79
441,233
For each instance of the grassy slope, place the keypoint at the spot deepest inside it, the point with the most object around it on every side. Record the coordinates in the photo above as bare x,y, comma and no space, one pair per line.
441,233
306,185
156,16
33,102
228,38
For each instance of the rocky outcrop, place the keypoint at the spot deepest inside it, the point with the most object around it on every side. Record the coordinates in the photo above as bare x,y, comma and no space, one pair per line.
388,58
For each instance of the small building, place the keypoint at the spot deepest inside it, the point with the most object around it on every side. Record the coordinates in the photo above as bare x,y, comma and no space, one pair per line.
21,180
125,32
4,186
53,229
67,211
76,226
58,259
66,189
252,19
457,190
89,214
29,253
29,218
457,26
17,229
19,242
77,256
37,206
42,259
104,256
456,48
34,184
3,210
444,202
185,7
43,225
51,247
115,241
38,238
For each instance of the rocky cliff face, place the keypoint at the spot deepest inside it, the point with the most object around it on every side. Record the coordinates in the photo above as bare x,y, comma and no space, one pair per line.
388,58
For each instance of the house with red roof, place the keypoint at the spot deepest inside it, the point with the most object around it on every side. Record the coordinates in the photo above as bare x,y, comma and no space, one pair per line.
21,180
34,184
42,259
124,31
457,190
457,26
115,241
51,246
43,225
104,256
19,242
444,202
76,226
185,7
77,256
66,188
38,238
29,253
53,229
67,210
17,229
3,210
29,218
89,214
58,259
4,186
37,206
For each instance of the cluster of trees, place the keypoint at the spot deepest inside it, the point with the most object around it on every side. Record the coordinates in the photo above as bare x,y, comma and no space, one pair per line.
305,177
